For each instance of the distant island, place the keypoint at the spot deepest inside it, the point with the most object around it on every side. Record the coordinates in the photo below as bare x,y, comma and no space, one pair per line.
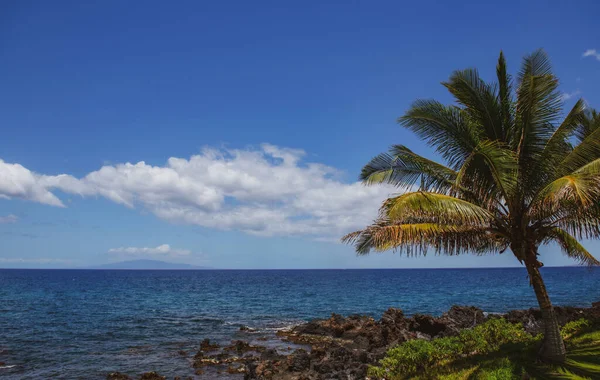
146,265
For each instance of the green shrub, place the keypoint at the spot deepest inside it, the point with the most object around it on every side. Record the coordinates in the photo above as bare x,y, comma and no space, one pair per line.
574,327
419,356
502,370
490,335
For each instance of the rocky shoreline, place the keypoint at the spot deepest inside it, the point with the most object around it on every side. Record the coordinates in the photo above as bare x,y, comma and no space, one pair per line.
343,347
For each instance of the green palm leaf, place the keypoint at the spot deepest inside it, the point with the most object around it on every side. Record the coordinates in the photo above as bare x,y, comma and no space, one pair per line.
435,208
447,129
416,238
571,247
403,168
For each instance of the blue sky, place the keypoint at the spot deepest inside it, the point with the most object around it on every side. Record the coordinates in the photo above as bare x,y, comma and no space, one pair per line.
230,134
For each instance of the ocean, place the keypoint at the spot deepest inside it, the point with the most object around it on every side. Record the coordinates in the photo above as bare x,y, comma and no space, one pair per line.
83,324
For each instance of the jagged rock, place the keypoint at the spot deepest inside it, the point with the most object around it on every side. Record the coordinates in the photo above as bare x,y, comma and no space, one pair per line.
426,324
270,354
152,376
207,346
464,317
531,319
242,347
299,361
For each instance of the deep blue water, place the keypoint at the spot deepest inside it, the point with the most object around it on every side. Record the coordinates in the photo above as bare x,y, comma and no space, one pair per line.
85,323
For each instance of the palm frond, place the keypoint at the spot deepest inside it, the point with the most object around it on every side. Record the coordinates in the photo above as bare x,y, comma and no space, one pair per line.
556,149
581,222
589,124
571,247
415,239
435,208
480,101
577,188
505,96
491,169
538,107
586,151
403,168
446,128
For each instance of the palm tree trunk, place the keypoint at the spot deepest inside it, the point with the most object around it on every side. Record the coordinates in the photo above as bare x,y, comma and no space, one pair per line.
553,347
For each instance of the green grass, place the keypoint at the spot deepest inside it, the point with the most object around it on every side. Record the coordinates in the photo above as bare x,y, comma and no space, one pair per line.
495,350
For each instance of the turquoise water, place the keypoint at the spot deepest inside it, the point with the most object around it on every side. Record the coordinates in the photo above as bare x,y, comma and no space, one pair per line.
83,323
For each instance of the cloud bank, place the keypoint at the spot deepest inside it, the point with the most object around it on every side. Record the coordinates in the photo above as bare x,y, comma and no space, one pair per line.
161,250
264,191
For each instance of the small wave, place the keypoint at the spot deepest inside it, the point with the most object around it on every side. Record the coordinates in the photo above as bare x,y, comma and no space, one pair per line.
7,366
286,327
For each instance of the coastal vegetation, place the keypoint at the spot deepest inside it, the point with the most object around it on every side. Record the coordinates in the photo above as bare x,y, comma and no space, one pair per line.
496,349
517,173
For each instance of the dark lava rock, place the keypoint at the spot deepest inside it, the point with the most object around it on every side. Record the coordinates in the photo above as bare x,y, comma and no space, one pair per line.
241,347
463,317
449,324
531,319
206,346
426,324
117,376
152,376
270,354
299,361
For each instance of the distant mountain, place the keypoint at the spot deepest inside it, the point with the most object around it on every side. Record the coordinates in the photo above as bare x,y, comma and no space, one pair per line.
146,264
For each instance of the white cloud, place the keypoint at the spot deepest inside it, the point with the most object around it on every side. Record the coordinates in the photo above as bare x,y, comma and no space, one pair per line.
568,95
263,191
17,181
161,250
8,219
592,53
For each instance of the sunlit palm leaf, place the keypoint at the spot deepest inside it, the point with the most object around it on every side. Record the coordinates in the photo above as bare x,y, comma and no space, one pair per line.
438,208
417,238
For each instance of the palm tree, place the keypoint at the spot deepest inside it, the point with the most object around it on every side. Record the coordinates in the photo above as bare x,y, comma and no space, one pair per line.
515,176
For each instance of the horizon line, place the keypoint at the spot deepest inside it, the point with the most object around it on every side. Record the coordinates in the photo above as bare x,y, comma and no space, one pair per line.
288,269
